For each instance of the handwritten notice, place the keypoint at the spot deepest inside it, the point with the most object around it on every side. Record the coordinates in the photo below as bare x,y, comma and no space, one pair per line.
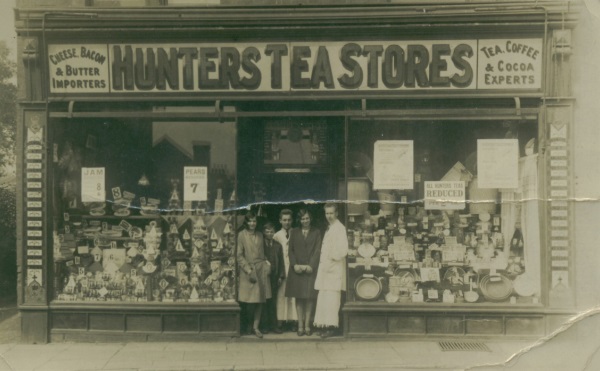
195,183
393,163
498,163
445,195
93,184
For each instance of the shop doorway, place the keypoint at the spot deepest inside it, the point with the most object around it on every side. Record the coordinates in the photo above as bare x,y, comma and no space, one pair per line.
290,163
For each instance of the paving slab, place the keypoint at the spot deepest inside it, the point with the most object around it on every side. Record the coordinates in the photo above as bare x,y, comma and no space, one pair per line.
227,355
300,347
254,346
364,357
200,346
554,356
236,361
72,365
3,365
512,348
406,348
6,347
28,358
90,352
295,357
149,347
127,364
179,365
326,345
366,344
141,354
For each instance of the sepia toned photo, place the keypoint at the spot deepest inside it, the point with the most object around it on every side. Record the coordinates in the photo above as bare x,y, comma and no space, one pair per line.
299,185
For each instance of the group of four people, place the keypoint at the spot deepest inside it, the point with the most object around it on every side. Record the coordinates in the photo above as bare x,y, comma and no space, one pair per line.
285,272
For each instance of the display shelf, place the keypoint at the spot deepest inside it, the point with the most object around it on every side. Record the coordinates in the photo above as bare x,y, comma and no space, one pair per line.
113,238
382,306
129,217
142,306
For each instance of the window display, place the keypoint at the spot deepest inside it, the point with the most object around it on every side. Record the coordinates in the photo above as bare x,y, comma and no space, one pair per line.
143,212
445,239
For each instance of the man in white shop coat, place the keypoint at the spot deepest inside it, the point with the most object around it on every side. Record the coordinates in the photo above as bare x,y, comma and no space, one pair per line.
331,275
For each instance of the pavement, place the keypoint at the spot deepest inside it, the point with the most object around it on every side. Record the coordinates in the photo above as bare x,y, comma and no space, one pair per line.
567,350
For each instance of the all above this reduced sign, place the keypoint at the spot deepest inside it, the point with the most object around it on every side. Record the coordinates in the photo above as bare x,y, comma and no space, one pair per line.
444,195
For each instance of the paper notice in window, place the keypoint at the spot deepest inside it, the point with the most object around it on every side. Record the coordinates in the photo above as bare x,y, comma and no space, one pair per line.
195,180
444,195
393,163
93,184
498,163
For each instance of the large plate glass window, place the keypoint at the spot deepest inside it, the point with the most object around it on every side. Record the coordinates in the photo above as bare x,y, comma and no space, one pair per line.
142,211
444,212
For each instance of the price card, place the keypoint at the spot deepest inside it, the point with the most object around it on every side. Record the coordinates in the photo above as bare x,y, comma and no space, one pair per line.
93,184
195,179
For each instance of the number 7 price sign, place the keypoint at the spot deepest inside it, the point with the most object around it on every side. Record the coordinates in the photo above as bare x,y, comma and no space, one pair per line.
93,184
195,180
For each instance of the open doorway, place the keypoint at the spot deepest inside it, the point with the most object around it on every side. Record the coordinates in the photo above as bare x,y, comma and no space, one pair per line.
289,164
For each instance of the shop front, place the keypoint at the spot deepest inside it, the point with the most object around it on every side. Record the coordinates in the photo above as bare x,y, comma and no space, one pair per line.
145,140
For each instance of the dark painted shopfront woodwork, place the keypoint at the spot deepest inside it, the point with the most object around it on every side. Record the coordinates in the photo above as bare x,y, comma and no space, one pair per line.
283,107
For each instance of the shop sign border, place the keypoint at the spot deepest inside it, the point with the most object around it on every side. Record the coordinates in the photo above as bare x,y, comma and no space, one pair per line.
296,68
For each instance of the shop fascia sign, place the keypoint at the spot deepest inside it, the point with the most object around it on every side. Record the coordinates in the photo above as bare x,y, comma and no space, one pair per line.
447,65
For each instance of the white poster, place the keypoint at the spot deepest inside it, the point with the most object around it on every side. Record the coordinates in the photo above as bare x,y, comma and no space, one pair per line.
93,184
498,163
195,180
393,163
445,195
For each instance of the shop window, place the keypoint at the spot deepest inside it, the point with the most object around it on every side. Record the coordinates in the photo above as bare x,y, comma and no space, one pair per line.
443,212
142,211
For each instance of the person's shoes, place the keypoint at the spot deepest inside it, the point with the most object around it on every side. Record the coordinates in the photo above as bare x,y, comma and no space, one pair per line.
308,331
257,333
264,331
294,328
277,330
325,334
301,332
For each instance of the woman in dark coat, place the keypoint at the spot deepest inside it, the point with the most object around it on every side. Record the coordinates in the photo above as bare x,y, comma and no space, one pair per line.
304,253
255,285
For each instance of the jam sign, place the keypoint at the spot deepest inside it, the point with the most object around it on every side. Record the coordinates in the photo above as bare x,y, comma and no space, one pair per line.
93,184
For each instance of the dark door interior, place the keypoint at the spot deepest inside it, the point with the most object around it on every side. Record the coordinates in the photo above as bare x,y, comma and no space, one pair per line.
288,160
